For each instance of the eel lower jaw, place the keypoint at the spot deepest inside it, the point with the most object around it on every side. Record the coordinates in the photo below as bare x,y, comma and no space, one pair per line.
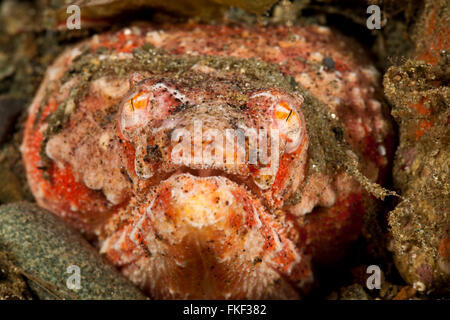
206,236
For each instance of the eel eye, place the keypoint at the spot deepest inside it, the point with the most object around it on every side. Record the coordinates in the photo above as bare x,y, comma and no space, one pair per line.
138,102
284,115
291,125
141,113
134,113
146,106
283,111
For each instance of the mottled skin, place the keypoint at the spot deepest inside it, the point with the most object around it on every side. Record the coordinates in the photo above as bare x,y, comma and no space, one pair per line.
190,230
419,94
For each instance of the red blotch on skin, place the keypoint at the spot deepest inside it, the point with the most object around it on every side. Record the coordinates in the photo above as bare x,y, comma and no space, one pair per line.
423,127
444,246
420,108
436,37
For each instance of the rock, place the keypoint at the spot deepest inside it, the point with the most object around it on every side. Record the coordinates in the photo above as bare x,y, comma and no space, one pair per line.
420,97
254,6
10,109
14,186
94,13
12,284
405,293
354,292
10,188
49,252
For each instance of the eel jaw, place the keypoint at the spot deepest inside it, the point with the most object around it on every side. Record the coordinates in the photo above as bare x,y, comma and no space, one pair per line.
208,237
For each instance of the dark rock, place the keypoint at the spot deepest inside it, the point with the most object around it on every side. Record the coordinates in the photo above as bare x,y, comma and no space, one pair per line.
43,247
328,63
354,292
10,109
419,94
12,283
10,188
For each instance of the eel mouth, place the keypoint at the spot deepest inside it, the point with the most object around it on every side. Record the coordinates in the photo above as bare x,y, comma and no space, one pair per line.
206,236
243,181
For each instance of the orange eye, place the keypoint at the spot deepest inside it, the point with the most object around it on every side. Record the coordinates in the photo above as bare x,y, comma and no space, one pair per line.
290,124
285,112
138,102
134,112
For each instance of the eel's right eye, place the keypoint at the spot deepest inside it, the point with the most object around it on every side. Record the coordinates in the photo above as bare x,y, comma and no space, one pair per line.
147,105
139,101
134,113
